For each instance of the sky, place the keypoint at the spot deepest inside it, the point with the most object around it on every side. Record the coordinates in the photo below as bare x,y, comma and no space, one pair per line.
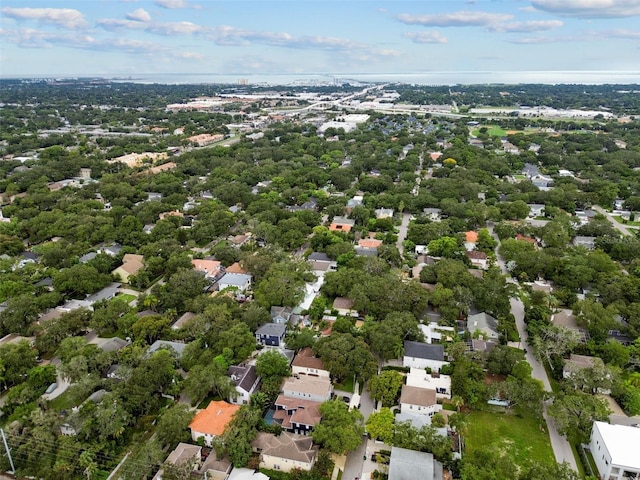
55,38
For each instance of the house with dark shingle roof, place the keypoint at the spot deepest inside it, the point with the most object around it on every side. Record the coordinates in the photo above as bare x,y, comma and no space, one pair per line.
423,355
271,334
246,381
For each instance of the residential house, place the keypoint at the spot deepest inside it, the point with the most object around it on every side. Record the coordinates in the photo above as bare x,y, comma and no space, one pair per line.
238,241
523,238
297,415
212,421
536,210
183,320
107,293
587,242
585,216
74,422
205,139
614,449
175,348
470,240
433,214
342,224
478,259
285,452
237,281
407,464
212,269
434,333
356,201
321,263
418,377
484,324
184,454
306,363
281,314
575,365
245,473
344,306
114,344
131,265
87,257
423,355
271,334
317,389
384,213
369,243
246,381
418,400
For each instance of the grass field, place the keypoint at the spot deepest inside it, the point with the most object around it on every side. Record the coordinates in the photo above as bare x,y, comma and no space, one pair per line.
126,297
620,220
520,438
492,130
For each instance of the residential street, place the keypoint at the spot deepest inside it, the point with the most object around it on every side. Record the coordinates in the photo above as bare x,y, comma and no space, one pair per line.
355,460
561,448
618,226
402,232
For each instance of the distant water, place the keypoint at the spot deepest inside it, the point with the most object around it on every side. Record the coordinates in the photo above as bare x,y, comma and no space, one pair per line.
426,78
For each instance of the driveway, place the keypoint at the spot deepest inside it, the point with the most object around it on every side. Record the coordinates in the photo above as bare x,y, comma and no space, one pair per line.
355,465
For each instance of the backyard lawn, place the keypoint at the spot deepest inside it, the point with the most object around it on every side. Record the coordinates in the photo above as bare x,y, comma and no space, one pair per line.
520,438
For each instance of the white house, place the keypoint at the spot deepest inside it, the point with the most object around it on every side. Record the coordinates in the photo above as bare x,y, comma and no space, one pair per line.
318,389
616,451
246,381
421,401
434,333
306,363
423,355
433,381
238,281
535,210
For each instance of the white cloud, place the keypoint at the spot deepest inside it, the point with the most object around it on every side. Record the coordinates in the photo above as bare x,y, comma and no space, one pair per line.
174,4
62,17
139,15
620,33
31,38
589,8
456,19
426,37
176,28
530,26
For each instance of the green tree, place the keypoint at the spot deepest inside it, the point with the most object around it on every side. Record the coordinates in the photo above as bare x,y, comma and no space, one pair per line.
345,355
79,280
173,426
380,425
340,430
574,413
386,387
273,368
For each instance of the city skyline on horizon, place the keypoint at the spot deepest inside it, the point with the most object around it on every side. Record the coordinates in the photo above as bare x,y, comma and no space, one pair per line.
521,39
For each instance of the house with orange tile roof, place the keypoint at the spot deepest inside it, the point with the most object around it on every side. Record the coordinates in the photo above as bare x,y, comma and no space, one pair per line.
210,268
235,268
341,224
212,421
369,243
470,240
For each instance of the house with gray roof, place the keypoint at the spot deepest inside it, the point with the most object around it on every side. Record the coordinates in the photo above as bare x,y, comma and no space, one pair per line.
484,324
405,464
271,334
176,348
423,355
238,281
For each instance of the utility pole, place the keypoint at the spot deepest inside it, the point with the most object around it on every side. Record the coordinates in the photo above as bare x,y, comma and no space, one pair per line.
6,446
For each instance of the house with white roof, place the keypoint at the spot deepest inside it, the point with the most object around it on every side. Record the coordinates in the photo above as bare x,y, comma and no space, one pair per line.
616,451
418,377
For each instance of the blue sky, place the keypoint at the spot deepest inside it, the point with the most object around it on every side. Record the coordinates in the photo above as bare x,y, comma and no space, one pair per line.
129,37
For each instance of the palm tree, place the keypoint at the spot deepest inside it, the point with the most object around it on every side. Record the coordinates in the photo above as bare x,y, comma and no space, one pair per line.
458,402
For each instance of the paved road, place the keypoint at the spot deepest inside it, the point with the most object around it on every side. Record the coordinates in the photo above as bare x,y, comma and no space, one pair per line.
355,463
561,448
402,232
618,226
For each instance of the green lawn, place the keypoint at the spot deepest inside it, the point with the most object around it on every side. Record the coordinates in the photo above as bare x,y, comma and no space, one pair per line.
619,219
346,386
520,438
492,130
126,297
